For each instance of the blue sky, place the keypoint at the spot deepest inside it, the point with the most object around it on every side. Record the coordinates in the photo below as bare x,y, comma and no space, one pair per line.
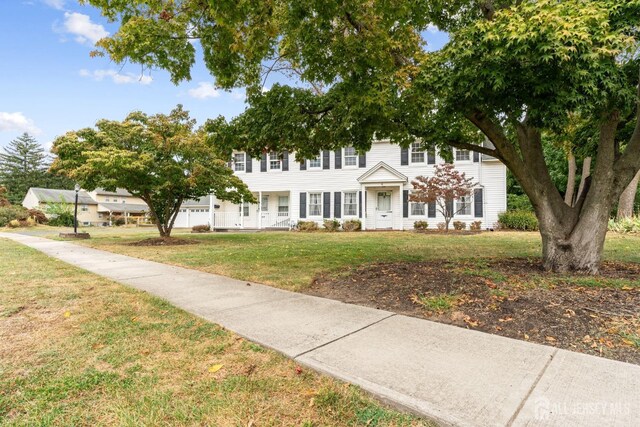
50,85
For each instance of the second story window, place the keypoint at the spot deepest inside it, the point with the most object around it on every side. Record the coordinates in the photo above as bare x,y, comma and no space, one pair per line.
463,155
417,153
238,162
315,163
274,161
350,157
84,208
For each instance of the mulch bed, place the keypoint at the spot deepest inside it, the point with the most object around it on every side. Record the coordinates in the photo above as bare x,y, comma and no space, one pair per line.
163,241
509,297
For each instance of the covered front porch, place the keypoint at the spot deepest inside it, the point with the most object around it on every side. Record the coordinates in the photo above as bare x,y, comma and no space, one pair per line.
383,189
273,211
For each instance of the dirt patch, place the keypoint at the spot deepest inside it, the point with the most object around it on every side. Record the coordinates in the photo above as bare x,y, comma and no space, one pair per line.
509,297
163,241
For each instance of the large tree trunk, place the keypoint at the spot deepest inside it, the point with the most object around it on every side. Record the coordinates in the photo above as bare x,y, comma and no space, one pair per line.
628,198
571,180
574,245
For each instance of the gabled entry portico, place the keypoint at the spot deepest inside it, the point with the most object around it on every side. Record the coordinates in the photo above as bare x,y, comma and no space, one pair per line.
382,187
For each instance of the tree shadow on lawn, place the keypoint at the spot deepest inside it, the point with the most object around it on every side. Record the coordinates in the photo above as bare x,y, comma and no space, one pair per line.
512,297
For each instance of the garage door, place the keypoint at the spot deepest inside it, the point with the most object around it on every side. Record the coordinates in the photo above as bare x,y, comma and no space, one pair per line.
187,218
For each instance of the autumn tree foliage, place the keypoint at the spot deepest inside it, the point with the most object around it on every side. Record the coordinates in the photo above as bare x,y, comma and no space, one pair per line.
445,187
159,158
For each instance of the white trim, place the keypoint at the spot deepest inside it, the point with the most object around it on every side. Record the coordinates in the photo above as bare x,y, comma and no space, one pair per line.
382,165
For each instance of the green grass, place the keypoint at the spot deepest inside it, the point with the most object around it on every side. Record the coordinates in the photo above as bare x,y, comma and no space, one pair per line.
291,260
442,302
77,349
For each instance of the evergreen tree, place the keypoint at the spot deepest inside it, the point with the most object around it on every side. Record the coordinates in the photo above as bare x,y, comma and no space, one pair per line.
25,164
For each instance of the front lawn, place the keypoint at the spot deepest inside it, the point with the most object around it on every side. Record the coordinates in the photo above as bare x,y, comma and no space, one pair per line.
77,349
491,282
292,260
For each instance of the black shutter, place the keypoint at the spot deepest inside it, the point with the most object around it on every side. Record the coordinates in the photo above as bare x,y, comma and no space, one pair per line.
338,158
326,205
476,156
404,156
303,165
431,157
405,203
450,208
362,160
337,204
326,160
248,163
477,202
431,206
303,205
285,160
263,163
359,204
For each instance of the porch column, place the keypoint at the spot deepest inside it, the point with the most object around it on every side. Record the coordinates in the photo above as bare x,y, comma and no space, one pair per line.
260,209
211,212
363,190
242,214
401,188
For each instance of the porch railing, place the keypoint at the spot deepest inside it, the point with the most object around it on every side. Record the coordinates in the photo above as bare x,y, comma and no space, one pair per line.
227,220
275,220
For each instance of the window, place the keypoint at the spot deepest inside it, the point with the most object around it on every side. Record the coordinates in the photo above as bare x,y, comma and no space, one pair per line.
283,205
106,199
238,162
115,200
315,163
417,209
350,157
463,205
264,203
417,153
84,208
274,161
244,209
315,204
463,155
351,203
100,215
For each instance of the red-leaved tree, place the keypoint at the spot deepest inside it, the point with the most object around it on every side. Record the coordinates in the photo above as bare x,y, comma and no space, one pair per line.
444,188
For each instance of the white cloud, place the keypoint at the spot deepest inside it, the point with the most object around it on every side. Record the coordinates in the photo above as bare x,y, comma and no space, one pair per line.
17,122
203,91
56,4
85,31
432,29
116,77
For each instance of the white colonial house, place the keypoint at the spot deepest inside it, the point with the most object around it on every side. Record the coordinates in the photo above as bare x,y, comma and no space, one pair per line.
342,184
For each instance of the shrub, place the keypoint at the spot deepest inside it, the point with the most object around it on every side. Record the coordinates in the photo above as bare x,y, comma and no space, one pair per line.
519,202
11,212
38,216
459,225
625,225
518,220
202,228
442,226
60,214
420,225
14,223
331,224
475,226
118,221
307,226
352,225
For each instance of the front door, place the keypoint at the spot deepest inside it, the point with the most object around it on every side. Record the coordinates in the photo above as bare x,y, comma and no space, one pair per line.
384,213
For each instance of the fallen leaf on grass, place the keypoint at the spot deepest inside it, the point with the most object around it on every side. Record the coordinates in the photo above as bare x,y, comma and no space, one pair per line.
215,368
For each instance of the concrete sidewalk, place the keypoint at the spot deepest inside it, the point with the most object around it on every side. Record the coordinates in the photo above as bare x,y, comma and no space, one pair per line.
449,374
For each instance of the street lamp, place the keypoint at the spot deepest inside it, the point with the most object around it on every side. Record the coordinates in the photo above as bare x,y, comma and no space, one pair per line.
75,213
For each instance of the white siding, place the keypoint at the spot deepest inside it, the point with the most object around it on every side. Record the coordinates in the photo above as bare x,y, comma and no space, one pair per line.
490,174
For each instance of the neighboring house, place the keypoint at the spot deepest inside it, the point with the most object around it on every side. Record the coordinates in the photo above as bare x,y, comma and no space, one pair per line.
97,207
342,184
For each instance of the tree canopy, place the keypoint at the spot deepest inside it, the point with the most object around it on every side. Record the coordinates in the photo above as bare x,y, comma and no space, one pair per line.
160,158
512,71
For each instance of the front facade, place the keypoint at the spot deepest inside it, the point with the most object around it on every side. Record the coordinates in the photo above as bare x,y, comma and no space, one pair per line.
342,184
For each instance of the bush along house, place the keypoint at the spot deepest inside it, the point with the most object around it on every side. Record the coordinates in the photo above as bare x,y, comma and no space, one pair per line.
372,187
